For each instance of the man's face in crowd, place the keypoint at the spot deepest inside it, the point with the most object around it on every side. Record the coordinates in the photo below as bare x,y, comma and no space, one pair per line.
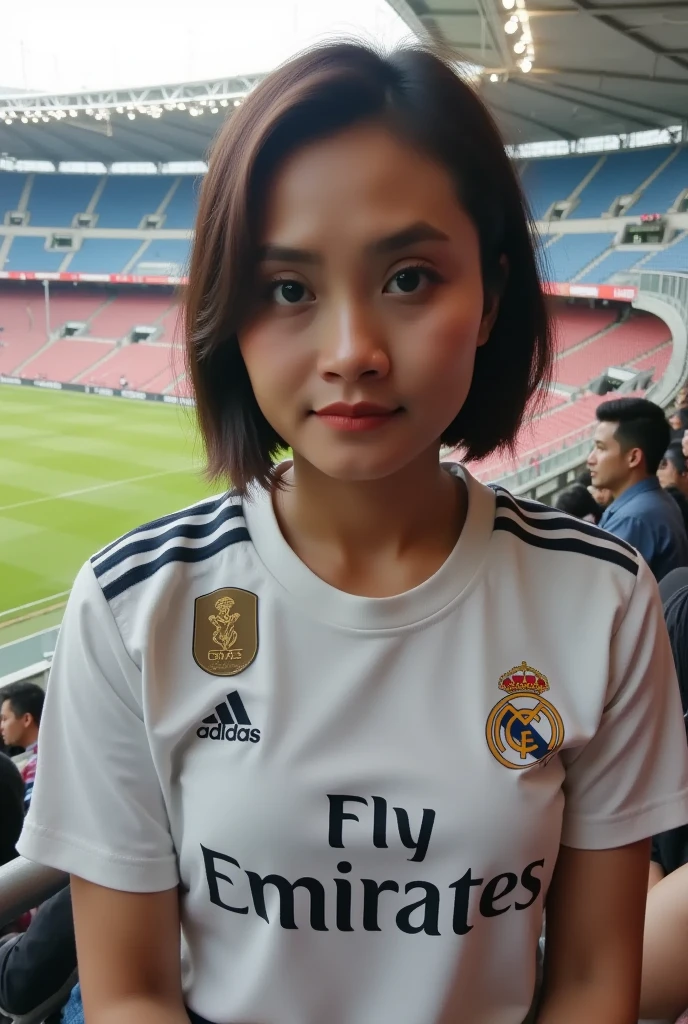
608,464
13,728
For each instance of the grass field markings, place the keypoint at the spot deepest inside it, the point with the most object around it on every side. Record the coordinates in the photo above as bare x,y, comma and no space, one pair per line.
33,604
28,616
96,487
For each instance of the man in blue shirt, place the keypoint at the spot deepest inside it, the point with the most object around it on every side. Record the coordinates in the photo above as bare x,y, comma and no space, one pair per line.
631,438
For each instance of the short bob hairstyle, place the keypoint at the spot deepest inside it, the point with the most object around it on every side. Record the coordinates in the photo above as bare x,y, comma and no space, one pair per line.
419,96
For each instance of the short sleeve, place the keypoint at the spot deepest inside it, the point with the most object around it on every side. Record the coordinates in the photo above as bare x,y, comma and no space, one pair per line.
97,809
630,781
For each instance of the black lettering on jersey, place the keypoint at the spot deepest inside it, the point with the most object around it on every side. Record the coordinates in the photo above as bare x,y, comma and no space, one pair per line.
420,916
532,883
286,899
212,875
431,907
496,889
379,824
462,898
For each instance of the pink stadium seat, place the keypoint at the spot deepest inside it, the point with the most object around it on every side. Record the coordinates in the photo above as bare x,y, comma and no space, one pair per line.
657,361
117,318
576,323
140,364
65,359
620,346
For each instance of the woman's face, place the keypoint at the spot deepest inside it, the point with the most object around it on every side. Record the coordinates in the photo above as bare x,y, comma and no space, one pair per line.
370,307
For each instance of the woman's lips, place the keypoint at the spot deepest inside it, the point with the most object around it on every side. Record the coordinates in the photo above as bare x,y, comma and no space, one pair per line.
360,417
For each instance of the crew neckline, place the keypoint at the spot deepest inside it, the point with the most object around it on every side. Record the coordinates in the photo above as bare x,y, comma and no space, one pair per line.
337,607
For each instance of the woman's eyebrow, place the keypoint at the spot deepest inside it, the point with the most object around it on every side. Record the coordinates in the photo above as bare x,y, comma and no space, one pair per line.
421,231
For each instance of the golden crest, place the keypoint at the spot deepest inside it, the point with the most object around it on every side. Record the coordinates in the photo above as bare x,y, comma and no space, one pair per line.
523,728
225,634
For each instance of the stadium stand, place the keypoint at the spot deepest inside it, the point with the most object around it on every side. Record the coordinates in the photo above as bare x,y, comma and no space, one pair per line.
128,198
104,255
55,199
674,257
65,359
180,212
663,192
575,324
29,252
621,174
140,364
569,254
11,188
553,179
163,256
617,261
124,311
618,346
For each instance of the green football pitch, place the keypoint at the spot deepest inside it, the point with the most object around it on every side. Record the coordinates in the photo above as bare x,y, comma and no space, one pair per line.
76,471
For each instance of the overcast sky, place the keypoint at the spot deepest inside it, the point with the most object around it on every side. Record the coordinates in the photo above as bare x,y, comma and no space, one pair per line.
59,45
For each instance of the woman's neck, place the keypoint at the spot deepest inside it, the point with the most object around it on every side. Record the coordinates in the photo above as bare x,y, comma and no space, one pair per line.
374,538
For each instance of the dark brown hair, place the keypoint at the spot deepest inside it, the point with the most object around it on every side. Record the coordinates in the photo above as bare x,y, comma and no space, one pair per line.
420,97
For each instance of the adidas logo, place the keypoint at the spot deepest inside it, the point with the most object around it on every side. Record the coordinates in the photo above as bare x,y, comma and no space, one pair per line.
229,722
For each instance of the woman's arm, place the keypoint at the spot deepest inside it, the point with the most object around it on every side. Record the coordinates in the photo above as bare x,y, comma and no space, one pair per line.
128,945
665,953
594,936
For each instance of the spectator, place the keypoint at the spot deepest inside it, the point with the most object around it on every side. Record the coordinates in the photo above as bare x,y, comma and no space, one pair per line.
38,968
665,979
630,440
601,495
576,500
20,718
11,808
673,477
678,422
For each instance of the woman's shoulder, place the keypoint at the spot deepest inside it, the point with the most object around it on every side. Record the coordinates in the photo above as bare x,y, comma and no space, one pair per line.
191,535
541,527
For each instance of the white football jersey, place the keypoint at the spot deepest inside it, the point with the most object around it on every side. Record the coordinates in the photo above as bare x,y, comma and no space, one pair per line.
362,799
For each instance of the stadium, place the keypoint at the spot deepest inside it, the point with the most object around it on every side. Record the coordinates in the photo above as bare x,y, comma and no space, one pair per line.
98,198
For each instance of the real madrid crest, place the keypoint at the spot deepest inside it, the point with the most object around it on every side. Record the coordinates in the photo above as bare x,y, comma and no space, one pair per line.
225,633
523,728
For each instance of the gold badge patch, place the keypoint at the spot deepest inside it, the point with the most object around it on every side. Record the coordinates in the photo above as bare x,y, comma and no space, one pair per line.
524,728
225,637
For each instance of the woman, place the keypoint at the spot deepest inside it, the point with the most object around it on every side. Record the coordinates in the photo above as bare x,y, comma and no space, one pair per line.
332,715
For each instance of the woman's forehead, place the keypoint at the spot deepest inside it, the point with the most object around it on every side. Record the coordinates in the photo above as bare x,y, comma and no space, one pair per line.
364,181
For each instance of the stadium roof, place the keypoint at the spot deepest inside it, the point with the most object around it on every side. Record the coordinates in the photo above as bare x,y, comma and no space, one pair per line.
595,68
599,67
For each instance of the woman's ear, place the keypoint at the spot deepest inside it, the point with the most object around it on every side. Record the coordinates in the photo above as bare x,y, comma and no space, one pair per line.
493,297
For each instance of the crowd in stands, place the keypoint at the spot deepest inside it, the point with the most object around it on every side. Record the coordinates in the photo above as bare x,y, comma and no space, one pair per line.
636,487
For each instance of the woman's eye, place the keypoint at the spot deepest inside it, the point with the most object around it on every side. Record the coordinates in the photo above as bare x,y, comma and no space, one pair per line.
290,293
409,280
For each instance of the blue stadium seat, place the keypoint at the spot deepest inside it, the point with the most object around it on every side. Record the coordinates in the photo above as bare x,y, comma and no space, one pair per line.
673,258
665,189
128,198
165,251
569,254
104,255
181,212
30,254
621,174
616,262
549,180
11,187
56,198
